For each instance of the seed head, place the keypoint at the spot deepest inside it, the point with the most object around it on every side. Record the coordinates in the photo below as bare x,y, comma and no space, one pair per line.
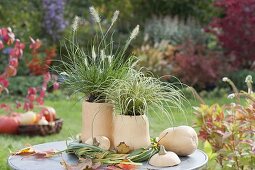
225,79
231,96
102,55
93,54
115,16
109,59
135,32
64,74
94,14
248,79
75,23
86,62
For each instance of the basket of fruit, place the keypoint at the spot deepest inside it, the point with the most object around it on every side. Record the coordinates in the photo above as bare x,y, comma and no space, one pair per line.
41,129
43,123
31,123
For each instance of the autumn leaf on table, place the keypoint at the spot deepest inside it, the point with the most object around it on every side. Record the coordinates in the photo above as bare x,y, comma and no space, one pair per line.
122,148
30,151
112,167
83,164
122,167
25,152
44,154
127,166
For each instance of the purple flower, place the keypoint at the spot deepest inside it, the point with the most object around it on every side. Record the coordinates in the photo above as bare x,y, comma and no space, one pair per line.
53,21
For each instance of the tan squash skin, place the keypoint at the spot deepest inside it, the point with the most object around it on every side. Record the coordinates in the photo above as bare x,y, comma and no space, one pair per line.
164,159
98,116
101,141
133,130
181,140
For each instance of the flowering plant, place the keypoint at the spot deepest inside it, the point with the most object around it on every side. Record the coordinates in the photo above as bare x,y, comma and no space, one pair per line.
229,130
53,20
92,71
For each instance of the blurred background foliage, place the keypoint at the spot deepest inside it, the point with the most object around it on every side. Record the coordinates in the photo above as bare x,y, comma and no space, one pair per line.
196,42
23,16
176,37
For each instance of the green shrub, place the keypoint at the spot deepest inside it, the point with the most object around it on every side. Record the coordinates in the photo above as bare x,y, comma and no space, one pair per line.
19,85
175,30
215,93
202,10
23,16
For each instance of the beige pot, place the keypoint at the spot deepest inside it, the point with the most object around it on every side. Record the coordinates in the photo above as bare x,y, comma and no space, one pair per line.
133,130
96,120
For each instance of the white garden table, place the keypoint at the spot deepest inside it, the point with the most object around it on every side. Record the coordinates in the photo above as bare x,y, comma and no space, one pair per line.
197,160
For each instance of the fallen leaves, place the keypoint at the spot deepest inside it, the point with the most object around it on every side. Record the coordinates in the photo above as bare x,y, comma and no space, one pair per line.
25,151
83,164
121,167
30,151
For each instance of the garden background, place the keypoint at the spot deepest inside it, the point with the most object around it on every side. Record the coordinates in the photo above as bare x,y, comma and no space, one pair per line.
196,42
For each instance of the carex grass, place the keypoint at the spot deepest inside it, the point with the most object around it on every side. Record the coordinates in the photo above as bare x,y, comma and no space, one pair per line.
138,94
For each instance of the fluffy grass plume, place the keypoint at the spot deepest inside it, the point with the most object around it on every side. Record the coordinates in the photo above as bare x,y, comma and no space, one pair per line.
92,70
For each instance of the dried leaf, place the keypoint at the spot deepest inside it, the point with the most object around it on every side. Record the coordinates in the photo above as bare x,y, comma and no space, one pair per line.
122,148
122,167
83,164
112,167
30,151
127,166
25,152
44,154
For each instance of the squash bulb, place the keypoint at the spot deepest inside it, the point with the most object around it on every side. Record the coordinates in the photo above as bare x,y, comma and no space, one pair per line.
164,158
181,140
100,141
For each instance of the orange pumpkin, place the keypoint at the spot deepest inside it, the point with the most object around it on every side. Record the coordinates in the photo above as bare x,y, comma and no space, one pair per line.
8,124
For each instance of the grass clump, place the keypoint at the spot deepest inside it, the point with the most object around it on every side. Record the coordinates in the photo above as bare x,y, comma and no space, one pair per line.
136,94
91,71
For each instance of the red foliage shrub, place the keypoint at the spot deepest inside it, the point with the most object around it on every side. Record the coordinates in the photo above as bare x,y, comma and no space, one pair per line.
34,95
197,66
235,30
15,50
41,59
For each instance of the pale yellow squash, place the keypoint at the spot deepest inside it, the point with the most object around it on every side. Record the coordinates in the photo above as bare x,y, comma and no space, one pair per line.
181,140
164,158
100,141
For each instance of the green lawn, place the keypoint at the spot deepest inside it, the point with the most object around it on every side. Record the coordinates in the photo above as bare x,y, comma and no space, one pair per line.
70,111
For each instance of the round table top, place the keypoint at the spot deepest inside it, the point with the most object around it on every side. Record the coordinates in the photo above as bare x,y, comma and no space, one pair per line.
196,160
